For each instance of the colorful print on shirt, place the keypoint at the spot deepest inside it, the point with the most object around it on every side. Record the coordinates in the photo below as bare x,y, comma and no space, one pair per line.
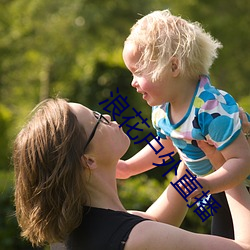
213,115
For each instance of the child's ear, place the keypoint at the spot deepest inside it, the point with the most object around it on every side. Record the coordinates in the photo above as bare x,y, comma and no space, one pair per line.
175,66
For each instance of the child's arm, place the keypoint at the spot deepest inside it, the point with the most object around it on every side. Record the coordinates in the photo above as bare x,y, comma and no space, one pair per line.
143,160
170,207
234,171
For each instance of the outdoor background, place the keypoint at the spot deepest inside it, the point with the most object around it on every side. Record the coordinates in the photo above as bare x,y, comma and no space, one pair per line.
72,48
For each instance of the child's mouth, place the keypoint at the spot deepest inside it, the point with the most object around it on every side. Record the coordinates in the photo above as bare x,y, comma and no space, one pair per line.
144,95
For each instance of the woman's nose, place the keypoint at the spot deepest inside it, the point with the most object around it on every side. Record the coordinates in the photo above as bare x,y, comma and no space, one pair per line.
108,117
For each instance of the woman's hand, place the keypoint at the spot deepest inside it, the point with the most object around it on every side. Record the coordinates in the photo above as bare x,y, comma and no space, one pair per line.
245,124
215,156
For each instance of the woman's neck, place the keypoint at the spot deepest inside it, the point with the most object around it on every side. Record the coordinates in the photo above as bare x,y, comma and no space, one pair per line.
102,189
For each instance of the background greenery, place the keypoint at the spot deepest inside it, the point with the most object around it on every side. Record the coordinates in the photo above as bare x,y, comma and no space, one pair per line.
72,48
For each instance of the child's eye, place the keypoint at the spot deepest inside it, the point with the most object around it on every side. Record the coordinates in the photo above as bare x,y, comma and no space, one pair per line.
137,74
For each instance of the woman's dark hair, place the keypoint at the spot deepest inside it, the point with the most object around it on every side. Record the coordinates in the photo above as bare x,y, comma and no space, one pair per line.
49,180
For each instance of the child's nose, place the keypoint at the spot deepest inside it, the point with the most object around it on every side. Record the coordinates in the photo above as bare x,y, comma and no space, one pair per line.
134,83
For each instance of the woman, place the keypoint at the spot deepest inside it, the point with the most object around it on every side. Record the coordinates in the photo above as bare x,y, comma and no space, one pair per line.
65,166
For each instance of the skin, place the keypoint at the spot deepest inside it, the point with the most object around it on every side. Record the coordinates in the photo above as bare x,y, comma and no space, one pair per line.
102,159
169,88
245,122
178,91
169,207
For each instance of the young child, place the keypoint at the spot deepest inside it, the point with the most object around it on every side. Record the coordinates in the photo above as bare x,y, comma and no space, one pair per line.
169,59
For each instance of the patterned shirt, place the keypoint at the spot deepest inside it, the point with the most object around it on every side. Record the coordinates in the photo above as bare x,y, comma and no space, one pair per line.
213,115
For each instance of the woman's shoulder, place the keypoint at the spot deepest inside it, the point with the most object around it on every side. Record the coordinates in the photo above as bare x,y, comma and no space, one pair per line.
102,227
155,235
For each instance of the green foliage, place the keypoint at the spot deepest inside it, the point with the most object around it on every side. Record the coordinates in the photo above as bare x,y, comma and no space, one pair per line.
228,22
73,48
136,193
9,231
245,103
139,192
5,124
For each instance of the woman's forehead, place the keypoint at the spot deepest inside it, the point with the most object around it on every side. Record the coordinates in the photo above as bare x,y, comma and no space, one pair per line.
78,108
84,115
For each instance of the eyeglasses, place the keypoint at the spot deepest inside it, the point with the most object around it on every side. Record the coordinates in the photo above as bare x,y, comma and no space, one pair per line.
100,118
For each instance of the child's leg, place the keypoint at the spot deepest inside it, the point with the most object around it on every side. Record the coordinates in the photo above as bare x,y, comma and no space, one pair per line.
222,224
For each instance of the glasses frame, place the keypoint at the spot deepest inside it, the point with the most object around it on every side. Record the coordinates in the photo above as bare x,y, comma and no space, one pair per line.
100,118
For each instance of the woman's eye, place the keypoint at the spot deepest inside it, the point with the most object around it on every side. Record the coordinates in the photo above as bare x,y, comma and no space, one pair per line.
106,122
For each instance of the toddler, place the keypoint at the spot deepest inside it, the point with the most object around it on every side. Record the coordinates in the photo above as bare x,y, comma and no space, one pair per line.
170,59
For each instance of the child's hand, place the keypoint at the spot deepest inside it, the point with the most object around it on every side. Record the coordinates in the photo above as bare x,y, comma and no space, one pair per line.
199,191
122,170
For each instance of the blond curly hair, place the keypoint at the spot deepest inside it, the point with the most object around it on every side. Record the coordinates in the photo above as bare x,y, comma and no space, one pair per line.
160,36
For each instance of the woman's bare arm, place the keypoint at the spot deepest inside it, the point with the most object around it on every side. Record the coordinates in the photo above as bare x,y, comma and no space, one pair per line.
160,236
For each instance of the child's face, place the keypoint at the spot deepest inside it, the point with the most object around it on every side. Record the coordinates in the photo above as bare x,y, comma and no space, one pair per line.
154,93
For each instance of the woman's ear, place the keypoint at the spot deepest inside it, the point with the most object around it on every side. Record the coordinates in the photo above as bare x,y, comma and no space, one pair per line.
175,66
90,161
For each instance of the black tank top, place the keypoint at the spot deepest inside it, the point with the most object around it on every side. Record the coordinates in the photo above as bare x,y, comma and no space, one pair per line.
102,229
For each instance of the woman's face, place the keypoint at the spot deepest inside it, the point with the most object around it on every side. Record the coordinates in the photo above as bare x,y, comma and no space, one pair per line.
108,140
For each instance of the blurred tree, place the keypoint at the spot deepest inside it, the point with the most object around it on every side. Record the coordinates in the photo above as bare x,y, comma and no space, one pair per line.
139,192
10,238
228,22
244,102
5,123
51,47
72,48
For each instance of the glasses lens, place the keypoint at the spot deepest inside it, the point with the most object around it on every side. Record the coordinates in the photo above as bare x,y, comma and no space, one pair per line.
105,120
99,116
